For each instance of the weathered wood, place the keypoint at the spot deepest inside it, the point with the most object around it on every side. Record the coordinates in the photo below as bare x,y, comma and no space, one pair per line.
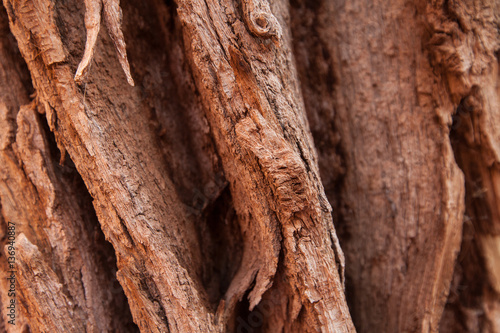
14,92
376,103
158,255
204,176
249,88
58,245
465,47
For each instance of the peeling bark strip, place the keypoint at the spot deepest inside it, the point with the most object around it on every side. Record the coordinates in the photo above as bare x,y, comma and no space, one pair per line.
64,279
113,19
79,280
255,111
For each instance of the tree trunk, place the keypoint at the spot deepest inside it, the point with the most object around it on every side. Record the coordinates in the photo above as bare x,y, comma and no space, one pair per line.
184,182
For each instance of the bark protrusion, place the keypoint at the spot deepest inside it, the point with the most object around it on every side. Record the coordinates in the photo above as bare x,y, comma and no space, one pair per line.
260,20
283,167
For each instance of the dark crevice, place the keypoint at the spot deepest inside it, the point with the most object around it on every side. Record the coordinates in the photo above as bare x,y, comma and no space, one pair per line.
452,15
222,247
470,281
11,52
176,117
245,320
126,233
303,158
103,250
317,74
148,286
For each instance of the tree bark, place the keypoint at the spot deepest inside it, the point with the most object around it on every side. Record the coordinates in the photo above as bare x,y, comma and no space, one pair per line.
200,199
466,48
399,197
66,278
388,109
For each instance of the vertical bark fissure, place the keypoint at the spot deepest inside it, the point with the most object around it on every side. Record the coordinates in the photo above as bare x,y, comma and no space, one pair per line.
54,222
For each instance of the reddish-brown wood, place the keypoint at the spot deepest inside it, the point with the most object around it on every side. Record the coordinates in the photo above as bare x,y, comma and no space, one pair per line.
185,181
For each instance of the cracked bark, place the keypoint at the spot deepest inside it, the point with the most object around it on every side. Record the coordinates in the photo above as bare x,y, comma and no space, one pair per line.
204,176
65,263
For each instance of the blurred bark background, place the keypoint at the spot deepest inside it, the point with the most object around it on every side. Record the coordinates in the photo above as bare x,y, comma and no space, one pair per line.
260,138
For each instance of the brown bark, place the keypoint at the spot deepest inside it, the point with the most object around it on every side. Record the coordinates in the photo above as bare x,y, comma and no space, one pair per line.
156,261
205,178
399,194
273,179
256,114
390,107
65,279
465,47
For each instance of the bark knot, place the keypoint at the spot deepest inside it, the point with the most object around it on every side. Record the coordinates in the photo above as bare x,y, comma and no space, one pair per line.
260,21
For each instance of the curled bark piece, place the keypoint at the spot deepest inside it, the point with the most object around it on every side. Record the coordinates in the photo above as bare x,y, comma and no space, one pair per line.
113,20
259,19
92,24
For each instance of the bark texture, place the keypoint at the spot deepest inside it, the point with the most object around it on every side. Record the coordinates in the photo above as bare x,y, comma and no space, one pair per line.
398,194
66,275
465,47
253,105
386,151
186,183
260,131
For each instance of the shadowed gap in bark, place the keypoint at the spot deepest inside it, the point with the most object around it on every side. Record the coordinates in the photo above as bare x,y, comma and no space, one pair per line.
170,98
471,288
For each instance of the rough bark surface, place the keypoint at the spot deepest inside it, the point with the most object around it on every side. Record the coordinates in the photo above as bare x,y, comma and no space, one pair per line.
253,105
174,182
66,278
12,96
260,131
465,47
398,194
154,239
